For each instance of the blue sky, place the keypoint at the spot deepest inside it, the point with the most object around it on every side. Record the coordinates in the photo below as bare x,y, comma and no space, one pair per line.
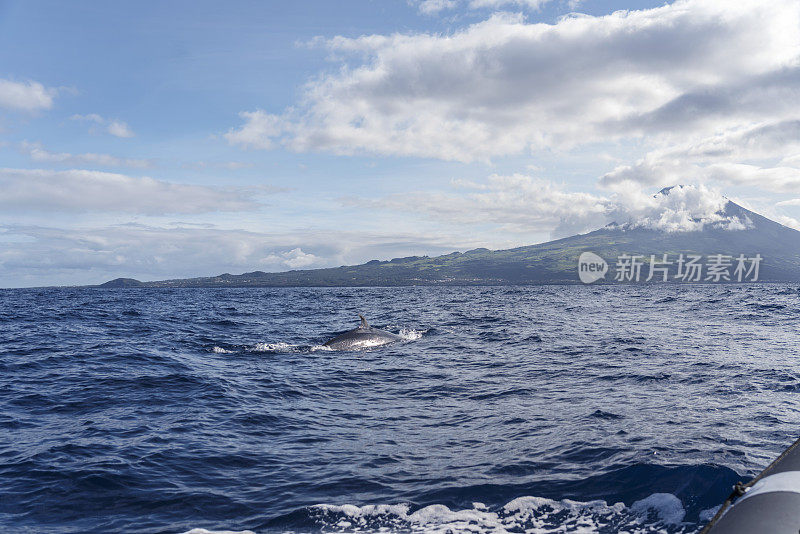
170,139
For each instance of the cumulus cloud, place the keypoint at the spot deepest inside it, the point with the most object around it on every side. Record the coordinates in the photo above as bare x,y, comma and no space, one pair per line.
520,203
504,86
39,154
115,127
258,130
26,96
294,259
96,191
430,7
119,129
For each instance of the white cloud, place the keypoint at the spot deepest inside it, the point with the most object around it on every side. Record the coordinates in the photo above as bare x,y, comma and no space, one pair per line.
430,7
680,209
780,179
115,127
791,222
119,129
791,161
751,155
258,130
26,96
505,86
521,204
293,259
95,191
38,153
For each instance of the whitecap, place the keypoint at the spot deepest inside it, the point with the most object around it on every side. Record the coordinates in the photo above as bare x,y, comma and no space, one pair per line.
275,347
666,506
282,347
533,515
351,510
409,334
709,513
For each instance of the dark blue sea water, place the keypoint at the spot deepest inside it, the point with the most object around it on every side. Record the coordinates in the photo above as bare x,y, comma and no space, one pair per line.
538,409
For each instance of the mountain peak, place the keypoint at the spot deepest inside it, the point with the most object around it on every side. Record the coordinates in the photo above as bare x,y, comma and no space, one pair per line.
665,191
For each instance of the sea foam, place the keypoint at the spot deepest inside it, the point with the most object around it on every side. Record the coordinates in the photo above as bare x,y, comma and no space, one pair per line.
534,515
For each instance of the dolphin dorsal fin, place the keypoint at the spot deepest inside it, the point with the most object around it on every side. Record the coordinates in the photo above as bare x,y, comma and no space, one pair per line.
364,323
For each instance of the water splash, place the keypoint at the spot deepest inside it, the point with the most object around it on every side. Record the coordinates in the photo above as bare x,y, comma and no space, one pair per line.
660,512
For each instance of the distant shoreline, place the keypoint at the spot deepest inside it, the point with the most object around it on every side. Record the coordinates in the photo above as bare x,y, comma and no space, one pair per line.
145,285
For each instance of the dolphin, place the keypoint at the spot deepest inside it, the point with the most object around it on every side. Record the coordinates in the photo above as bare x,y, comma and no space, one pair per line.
362,337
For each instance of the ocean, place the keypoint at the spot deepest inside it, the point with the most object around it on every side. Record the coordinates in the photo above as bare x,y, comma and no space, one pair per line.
522,409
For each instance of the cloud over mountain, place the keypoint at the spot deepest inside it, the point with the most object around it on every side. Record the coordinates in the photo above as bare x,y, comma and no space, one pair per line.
524,204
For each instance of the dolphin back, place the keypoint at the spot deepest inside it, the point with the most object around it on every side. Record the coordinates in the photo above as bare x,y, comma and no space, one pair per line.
362,337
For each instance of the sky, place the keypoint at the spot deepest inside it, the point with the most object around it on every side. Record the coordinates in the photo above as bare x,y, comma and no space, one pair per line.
159,140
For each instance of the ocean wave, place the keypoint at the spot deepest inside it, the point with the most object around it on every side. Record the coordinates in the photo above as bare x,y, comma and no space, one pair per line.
125,422
659,512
